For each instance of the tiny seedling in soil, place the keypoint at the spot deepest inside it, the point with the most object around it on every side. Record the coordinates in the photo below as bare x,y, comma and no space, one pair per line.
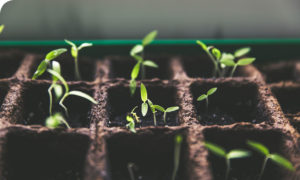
178,141
223,61
205,96
58,91
55,120
137,52
131,118
165,111
74,52
233,154
274,157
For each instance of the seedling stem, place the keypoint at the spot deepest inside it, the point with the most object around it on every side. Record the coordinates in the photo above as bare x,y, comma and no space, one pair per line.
178,141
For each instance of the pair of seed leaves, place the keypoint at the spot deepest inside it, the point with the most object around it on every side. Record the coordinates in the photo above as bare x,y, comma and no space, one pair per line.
239,153
75,50
144,97
205,96
227,59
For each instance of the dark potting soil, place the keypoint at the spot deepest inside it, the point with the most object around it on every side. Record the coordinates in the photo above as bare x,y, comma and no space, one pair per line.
246,168
36,107
152,155
11,65
46,156
288,98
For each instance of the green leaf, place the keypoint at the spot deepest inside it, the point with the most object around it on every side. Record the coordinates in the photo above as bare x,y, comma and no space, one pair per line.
129,118
217,53
41,69
238,153
282,161
70,43
150,64
242,52
56,68
171,109
158,107
211,91
83,95
151,106
202,97
136,49
84,45
135,71
144,108
204,47
55,53
54,73
1,28
144,95
245,61
215,149
54,121
131,127
132,86
259,147
149,38
228,62
58,90
138,58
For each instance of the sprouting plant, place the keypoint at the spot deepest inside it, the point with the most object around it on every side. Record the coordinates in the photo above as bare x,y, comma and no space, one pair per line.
137,52
177,147
153,110
132,117
55,120
68,92
74,52
274,157
131,167
229,62
205,96
233,154
45,63
146,101
165,111
54,86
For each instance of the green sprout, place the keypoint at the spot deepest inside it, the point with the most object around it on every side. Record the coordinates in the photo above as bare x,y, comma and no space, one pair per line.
137,52
153,110
223,61
132,117
274,157
68,92
55,120
58,90
205,96
45,63
178,141
144,97
165,111
233,154
74,52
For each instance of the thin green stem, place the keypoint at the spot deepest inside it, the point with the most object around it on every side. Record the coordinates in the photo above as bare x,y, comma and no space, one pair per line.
130,170
77,73
165,117
176,159
62,105
233,70
50,98
66,123
206,100
154,119
227,168
263,168
216,69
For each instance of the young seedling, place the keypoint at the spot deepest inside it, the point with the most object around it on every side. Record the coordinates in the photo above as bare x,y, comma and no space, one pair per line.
241,62
137,52
55,120
45,63
153,110
165,111
74,52
132,117
68,92
144,97
233,154
178,141
54,86
205,96
274,157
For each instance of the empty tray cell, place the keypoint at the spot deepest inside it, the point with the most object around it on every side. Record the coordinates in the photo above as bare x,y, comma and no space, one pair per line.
280,71
120,103
247,168
121,67
36,106
87,68
10,62
202,67
152,156
47,156
231,103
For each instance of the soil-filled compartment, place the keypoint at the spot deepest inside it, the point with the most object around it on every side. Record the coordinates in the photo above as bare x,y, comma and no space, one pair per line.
36,105
120,103
231,103
152,155
10,62
202,67
121,67
87,68
47,155
247,168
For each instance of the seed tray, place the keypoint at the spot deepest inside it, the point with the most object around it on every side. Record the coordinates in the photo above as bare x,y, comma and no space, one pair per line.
99,146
